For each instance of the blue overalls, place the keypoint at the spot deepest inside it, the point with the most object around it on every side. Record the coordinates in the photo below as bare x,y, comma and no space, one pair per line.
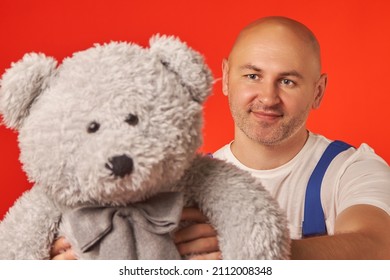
314,221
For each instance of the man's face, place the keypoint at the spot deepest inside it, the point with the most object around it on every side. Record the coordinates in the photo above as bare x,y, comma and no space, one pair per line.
272,84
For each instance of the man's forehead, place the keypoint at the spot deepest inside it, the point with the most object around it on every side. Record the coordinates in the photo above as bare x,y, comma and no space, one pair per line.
266,53
286,54
271,38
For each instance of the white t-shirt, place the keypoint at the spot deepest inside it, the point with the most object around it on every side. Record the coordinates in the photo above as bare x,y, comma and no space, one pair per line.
355,176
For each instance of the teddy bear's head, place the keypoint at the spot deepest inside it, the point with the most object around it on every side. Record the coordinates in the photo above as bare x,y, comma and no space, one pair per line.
113,124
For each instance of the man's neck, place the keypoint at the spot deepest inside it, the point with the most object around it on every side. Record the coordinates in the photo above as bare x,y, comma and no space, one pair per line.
264,157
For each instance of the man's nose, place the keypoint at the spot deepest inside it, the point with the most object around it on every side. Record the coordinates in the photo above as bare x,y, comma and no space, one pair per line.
268,93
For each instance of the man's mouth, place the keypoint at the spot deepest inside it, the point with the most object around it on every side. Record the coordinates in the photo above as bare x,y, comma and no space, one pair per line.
266,116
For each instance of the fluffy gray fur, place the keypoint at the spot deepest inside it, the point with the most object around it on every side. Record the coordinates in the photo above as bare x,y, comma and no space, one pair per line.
165,86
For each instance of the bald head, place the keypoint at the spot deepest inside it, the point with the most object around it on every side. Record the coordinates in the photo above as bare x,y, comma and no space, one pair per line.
273,80
271,31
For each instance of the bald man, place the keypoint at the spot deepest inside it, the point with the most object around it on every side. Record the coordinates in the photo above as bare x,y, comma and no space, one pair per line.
272,79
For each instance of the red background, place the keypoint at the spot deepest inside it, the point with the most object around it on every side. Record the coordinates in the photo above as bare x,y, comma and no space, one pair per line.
354,36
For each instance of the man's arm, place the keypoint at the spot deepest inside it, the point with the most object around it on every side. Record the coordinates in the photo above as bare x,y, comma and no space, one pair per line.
361,232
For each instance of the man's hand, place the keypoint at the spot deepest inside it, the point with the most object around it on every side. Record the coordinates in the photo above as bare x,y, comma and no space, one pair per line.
61,250
198,241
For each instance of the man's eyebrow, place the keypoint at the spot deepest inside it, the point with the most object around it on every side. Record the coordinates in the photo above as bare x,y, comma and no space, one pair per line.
255,68
293,73
250,67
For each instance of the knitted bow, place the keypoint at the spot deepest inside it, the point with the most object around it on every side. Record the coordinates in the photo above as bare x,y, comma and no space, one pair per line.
138,231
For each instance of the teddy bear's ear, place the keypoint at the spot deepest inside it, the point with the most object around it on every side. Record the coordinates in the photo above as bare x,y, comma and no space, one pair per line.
21,84
186,63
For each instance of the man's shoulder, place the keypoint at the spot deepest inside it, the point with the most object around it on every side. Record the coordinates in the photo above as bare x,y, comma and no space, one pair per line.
356,161
223,152
363,150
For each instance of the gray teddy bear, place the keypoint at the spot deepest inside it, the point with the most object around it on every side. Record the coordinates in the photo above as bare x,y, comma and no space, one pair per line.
110,140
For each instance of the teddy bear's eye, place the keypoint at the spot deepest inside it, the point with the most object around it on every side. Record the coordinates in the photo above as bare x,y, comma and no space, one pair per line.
131,119
93,127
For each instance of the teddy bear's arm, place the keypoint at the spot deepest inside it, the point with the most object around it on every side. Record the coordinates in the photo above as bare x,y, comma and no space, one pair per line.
248,220
29,227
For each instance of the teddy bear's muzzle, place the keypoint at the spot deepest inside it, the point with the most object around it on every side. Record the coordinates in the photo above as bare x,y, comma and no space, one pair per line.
120,166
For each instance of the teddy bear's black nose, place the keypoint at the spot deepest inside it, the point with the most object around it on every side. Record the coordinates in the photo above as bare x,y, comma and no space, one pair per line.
120,165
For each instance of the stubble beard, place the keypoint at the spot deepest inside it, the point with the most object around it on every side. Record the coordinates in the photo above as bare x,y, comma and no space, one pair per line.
268,134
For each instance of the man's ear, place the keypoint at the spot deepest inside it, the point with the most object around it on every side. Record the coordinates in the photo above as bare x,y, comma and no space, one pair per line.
225,76
320,90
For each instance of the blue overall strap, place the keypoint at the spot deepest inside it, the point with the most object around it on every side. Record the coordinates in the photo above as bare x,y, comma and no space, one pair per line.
314,219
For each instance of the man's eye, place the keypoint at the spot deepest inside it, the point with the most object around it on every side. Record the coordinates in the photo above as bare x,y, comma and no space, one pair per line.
252,76
287,82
